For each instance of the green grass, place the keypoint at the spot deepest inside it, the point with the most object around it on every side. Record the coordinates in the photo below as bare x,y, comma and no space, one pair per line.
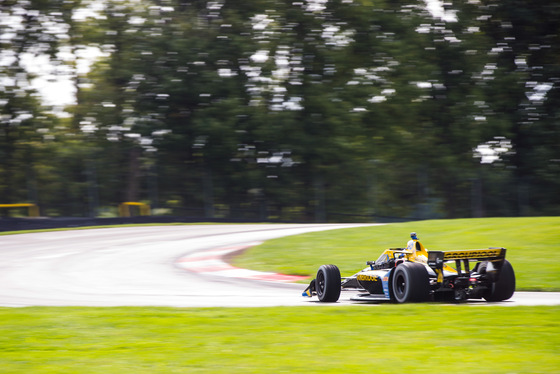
427,338
533,247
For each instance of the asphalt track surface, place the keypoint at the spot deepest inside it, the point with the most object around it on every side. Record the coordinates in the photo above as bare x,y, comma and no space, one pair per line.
143,266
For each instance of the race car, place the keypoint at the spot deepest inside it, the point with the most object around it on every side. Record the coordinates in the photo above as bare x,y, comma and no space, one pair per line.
414,274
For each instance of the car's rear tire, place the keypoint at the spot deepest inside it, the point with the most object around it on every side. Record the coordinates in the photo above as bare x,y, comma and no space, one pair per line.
504,287
328,283
410,283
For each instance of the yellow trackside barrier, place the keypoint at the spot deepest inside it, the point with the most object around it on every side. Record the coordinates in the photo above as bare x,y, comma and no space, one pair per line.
32,209
124,208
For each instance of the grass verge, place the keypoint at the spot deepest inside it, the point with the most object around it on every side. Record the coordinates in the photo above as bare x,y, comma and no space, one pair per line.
532,247
427,338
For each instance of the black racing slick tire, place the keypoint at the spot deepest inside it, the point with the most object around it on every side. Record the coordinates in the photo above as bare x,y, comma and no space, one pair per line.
328,283
410,283
504,287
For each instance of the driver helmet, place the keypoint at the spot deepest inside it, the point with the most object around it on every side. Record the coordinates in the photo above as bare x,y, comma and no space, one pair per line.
413,236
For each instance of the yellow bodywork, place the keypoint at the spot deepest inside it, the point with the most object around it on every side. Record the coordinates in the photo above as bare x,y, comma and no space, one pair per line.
418,253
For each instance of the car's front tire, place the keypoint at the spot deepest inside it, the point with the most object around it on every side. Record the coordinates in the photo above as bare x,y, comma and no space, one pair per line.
410,283
328,283
504,287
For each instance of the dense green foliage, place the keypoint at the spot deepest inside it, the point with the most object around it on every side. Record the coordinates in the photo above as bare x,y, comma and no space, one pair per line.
269,109
530,243
328,339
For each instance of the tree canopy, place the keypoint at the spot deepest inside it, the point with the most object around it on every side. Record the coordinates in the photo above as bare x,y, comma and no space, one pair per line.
271,110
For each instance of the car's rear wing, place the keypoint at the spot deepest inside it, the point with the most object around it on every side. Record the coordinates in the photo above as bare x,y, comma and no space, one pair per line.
474,254
490,254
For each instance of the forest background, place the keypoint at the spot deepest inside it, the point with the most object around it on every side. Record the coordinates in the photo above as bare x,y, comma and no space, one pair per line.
313,110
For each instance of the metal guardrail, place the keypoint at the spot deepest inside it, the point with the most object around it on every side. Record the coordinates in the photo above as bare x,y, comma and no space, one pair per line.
19,224
32,209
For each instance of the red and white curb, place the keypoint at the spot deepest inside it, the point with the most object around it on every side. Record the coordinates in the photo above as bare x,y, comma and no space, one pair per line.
211,262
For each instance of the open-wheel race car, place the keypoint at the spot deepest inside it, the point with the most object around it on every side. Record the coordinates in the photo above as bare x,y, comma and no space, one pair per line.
414,274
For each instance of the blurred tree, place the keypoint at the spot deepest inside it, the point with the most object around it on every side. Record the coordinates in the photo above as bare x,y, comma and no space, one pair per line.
320,72
315,110
25,34
526,98
108,108
449,117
